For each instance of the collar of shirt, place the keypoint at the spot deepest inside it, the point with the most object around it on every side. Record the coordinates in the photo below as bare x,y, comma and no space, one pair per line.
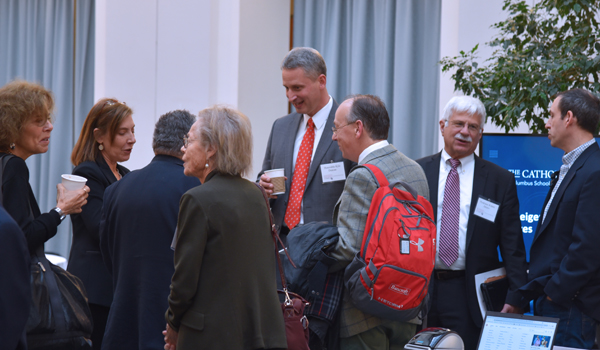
465,162
374,147
570,158
320,118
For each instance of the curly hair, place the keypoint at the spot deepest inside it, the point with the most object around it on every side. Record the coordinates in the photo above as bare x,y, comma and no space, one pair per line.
106,115
20,103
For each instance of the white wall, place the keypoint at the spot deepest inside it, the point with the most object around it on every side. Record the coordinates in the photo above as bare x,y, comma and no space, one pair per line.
466,23
161,55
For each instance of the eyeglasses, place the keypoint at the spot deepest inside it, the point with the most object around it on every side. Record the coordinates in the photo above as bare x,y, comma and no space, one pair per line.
473,128
113,102
335,130
186,141
110,103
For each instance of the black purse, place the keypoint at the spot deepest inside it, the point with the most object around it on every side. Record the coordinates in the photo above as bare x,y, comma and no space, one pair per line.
59,316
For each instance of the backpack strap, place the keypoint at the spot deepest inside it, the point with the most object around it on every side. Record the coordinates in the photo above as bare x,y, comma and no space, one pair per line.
383,181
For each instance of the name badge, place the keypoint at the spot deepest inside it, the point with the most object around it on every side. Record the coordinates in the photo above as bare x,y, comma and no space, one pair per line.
486,209
333,172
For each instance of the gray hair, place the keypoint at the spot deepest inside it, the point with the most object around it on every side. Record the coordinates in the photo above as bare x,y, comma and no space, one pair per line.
464,104
169,131
307,58
229,132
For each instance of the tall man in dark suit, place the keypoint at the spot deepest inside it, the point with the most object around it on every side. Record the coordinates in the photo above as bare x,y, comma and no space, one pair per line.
139,219
476,210
361,130
564,271
301,144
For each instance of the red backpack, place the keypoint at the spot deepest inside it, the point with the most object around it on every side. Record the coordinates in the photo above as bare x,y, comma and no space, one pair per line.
390,275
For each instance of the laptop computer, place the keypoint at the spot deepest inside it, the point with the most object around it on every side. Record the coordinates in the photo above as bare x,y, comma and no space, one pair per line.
513,331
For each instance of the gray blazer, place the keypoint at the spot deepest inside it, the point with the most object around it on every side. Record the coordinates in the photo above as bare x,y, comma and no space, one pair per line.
351,212
319,198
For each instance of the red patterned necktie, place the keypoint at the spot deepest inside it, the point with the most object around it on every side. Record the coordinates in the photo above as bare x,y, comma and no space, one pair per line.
292,214
448,251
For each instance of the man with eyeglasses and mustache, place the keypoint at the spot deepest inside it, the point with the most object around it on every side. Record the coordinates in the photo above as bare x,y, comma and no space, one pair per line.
468,239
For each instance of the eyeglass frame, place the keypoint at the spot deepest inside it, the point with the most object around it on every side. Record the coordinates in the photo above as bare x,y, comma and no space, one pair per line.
186,141
335,130
473,128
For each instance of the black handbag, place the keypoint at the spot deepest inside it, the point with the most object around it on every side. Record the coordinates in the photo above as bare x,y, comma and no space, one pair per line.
59,315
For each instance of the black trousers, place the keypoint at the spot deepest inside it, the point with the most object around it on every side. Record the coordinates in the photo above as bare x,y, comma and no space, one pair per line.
449,309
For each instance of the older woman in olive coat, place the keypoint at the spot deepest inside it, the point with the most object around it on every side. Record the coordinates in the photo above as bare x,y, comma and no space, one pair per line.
223,291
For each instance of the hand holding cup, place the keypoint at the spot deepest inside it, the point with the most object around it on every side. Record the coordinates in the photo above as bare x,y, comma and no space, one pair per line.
71,194
273,181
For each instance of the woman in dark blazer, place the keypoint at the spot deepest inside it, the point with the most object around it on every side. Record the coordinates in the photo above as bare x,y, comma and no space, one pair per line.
25,128
223,291
106,138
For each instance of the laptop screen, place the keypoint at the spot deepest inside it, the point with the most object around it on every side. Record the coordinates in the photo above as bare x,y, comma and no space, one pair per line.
513,331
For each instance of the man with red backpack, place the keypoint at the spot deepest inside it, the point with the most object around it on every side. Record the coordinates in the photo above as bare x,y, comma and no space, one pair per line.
361,127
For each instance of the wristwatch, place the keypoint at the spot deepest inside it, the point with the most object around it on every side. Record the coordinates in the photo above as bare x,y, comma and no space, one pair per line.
60,212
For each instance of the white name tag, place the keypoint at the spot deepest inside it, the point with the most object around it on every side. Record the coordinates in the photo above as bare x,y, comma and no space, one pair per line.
333,172
486,209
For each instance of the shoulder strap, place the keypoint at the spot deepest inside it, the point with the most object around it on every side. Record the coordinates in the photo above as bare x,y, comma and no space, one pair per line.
383,181
5,158
276,239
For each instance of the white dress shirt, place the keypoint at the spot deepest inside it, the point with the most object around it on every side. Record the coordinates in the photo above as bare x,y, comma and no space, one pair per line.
374,147
465,170
320,119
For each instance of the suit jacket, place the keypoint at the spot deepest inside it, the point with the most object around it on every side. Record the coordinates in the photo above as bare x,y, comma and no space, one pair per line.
139,217
351,213
223,291
15,290
483,237
564,253
319,198
20,203
85,260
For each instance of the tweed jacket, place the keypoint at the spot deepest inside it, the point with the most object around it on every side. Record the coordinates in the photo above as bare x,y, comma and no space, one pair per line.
351,212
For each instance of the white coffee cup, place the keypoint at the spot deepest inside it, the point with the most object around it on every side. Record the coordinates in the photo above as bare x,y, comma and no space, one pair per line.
73,182
277,179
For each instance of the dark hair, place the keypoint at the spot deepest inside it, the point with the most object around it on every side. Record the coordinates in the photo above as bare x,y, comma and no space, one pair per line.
371,111
584,105
21,102
106,115
307,58
169,131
